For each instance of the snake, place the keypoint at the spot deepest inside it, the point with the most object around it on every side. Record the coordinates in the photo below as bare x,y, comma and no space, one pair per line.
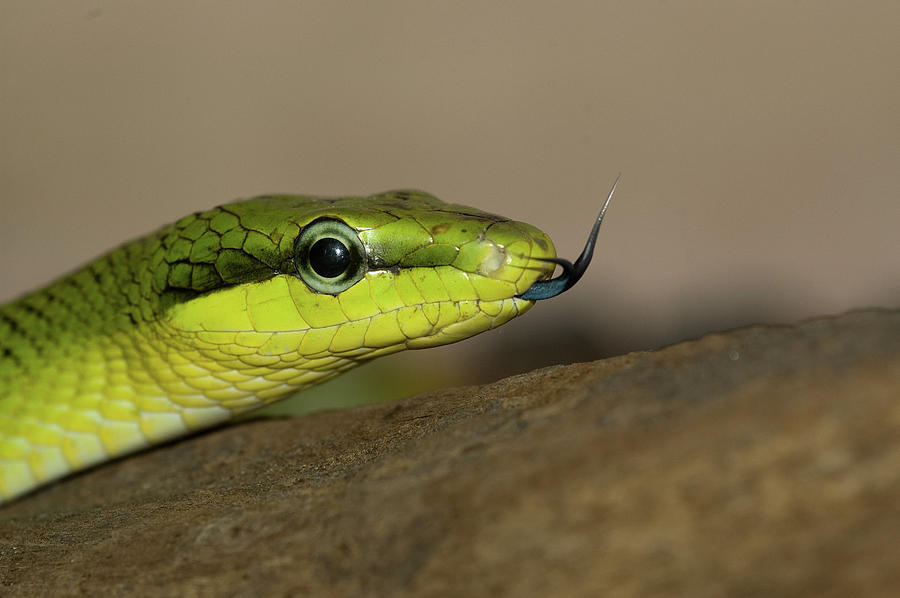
236,307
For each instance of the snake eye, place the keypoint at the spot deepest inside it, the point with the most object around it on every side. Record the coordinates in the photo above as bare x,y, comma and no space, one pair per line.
329,256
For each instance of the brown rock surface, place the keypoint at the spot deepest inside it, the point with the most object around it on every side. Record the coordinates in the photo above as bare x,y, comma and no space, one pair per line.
762,461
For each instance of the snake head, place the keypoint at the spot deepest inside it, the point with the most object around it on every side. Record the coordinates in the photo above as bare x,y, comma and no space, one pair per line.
572,273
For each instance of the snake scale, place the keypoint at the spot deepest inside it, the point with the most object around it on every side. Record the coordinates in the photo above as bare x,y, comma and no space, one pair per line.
230,309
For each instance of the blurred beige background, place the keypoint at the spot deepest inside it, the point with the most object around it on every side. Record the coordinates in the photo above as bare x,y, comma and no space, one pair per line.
759,145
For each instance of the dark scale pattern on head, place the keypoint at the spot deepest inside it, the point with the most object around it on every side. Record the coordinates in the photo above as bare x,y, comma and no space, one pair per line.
135,283
208,251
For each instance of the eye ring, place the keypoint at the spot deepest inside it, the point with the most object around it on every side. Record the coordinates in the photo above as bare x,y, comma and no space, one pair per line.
329,256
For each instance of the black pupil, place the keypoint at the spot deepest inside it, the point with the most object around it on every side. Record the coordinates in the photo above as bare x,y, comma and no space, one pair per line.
329,257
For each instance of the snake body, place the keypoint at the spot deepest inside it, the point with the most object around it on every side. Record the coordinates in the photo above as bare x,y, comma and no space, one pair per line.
233,308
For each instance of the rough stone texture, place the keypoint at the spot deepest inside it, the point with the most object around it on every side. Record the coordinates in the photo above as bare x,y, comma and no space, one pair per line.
762,461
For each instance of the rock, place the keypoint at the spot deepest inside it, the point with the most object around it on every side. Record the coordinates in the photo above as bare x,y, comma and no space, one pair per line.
761,461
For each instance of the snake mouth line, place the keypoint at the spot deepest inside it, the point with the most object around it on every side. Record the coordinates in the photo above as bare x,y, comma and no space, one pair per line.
572,273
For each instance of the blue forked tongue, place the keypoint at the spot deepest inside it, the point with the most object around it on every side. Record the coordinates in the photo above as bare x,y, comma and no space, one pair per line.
572,273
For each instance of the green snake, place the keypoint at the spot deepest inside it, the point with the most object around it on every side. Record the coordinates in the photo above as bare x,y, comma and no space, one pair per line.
236,307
